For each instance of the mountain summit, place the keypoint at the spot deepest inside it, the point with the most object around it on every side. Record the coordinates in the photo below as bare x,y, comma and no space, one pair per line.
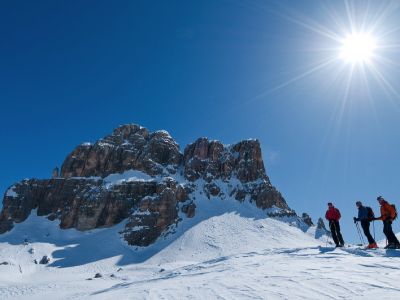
143,178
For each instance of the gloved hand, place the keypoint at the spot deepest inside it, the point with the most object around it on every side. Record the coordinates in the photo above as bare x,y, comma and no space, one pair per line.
355,220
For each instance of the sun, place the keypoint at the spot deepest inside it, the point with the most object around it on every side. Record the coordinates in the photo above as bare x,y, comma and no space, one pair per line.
354,44
358,48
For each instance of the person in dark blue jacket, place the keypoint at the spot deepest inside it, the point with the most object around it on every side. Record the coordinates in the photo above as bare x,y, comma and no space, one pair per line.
365,217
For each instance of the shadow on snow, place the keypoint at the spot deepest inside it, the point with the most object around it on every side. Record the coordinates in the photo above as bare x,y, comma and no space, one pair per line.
77,248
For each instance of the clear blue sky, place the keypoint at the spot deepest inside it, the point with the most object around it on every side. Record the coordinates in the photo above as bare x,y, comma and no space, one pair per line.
71,71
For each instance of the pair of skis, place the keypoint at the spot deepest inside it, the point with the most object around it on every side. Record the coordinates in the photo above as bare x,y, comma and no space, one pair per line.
355,247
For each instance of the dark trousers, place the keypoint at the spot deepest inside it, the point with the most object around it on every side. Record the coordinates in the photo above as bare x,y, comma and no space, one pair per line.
365,226
335,230
388,231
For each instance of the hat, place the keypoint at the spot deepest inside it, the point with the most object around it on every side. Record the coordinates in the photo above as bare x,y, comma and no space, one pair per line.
358,203
330,204
379,198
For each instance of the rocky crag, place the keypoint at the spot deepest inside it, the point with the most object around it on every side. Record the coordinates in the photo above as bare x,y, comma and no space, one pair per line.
143,178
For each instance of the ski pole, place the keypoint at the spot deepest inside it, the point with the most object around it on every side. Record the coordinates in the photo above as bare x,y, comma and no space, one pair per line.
373,226
359,234
328,236
362,237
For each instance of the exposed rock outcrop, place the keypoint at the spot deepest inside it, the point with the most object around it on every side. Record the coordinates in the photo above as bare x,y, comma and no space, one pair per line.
307,219
129,147
321,229
97,187
87,203
189,209
321,224
45,260
211,159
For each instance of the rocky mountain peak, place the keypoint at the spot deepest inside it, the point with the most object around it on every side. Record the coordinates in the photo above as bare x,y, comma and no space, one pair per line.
128,147
125,132
142,177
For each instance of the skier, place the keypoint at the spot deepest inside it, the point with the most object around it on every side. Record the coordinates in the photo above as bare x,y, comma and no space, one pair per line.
365,216
333,216
388,214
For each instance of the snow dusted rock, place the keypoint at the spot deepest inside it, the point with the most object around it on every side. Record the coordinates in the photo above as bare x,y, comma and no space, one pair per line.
87,203
321,224
154,215
307,219
211,159
182,193
211,189
141,177
321,229
189,209
128,147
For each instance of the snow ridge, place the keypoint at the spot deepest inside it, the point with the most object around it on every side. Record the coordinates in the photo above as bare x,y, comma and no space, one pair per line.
231,251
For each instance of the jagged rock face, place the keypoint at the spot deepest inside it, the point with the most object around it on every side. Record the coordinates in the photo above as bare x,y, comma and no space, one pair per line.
154,215
321,229
129,147
79,203
321,224
307,219
210,160
84,198
86,204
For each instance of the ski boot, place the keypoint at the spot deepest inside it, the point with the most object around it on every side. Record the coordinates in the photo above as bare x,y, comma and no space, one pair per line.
391,246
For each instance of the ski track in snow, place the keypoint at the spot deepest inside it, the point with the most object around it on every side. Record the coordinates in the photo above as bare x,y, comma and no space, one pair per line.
228,251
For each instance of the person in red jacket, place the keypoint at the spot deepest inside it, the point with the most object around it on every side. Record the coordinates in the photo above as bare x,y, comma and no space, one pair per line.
333,216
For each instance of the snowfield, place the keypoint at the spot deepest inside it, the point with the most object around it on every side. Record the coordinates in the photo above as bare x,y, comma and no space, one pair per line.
229,250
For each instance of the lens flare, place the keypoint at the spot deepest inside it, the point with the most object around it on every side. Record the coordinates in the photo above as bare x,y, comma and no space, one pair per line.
358,48
353,50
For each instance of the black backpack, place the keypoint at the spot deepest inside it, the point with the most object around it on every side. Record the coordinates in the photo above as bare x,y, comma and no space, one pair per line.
370,213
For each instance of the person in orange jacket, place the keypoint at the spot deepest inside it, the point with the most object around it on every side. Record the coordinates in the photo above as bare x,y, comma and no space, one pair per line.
388,214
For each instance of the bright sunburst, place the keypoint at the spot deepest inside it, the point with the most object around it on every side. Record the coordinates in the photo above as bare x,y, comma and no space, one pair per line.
350,50
356,43
358,48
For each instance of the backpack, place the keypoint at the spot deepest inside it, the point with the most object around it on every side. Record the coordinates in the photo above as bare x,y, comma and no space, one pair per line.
395,211
370,213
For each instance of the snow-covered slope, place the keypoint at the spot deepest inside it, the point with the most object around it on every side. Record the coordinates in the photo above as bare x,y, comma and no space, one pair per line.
228,251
